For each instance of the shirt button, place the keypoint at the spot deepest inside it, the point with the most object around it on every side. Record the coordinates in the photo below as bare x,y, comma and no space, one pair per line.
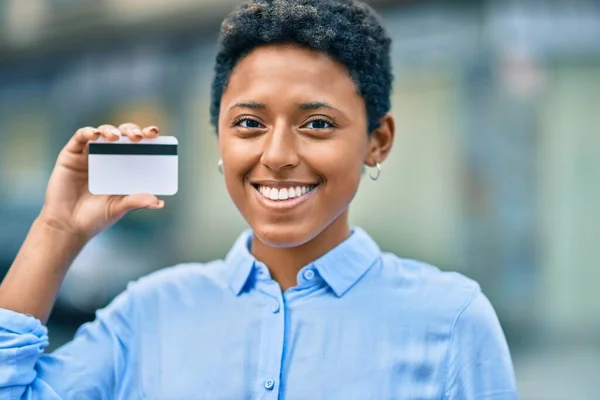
269,384
275,308
309,274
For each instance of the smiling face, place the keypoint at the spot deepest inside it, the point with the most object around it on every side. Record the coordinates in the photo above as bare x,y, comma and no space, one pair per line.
293,139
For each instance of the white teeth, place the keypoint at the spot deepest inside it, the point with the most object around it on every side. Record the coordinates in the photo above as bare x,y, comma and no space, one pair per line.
274,194
284,193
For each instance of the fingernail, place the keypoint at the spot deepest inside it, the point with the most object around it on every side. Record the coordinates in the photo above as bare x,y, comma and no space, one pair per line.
154,128
115,132
158,205
138,133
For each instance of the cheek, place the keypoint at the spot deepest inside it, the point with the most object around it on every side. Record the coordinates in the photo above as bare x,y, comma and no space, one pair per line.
239,156
237,162
232,182
341,166
237,190
343,182
339,160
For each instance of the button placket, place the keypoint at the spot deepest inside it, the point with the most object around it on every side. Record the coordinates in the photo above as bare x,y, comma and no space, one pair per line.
272,342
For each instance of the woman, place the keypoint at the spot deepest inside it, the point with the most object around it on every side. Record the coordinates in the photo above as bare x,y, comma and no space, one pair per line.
303,306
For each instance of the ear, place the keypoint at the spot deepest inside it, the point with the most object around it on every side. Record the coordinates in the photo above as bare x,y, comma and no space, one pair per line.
381,140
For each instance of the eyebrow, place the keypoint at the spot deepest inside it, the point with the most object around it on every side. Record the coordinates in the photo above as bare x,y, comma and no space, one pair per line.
313,105
250,104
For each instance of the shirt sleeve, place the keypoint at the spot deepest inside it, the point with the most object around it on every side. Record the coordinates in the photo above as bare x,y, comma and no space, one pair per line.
88,367
479,362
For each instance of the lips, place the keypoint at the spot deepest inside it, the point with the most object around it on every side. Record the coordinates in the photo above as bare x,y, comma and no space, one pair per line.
283,194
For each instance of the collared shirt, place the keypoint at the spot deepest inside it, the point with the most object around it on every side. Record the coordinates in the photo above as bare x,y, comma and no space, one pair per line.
360,324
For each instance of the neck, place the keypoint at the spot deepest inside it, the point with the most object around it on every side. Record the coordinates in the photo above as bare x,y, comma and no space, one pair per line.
284,263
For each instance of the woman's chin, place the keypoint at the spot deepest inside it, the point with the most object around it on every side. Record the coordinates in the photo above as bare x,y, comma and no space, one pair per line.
282,236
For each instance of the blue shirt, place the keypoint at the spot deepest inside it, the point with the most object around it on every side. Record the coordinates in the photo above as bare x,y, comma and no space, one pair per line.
360,324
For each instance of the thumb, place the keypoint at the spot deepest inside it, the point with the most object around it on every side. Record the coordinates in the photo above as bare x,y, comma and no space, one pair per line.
136,201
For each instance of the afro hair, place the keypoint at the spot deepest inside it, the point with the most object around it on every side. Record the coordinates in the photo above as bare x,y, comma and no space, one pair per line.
348,31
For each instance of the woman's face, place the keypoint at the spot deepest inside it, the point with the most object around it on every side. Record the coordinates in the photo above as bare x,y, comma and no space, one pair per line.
293,139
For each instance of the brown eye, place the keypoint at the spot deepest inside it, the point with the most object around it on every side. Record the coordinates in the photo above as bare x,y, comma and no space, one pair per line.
319,123
248,123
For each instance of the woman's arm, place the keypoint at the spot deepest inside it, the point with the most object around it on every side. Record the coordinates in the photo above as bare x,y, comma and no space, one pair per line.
71,216
94,365
33,281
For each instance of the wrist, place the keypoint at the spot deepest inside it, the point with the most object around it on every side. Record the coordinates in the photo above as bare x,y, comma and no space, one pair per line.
60,228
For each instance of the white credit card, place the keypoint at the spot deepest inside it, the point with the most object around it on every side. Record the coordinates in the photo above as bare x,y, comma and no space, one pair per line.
124,167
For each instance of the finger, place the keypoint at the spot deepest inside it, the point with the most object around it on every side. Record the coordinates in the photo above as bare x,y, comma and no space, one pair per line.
151,131
132,202
133,132
81,138
109,132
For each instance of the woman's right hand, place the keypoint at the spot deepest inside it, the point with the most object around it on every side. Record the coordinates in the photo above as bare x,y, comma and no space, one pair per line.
69,206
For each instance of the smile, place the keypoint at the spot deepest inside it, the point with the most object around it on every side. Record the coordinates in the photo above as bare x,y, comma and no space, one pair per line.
280,196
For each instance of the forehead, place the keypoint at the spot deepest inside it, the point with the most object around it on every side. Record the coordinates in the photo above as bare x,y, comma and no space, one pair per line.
291,71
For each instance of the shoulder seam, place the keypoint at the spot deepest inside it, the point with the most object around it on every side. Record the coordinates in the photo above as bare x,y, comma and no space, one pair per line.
476,292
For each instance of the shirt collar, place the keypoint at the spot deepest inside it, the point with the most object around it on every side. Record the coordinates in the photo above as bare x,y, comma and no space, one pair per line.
341,267
346,263
240,262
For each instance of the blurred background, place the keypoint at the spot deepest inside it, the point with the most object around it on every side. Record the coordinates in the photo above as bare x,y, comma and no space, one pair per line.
495,172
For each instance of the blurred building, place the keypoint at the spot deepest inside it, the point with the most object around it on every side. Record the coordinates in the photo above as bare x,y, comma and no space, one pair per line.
495,172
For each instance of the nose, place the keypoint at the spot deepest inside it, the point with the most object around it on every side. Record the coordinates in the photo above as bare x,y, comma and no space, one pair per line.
280,150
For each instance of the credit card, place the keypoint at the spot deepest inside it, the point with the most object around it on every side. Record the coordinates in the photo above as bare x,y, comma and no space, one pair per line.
124,167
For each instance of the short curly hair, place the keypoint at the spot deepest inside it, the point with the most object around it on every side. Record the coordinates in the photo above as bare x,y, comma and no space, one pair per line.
348,31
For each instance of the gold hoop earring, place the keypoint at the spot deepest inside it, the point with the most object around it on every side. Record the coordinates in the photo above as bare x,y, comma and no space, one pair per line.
220,166
377,174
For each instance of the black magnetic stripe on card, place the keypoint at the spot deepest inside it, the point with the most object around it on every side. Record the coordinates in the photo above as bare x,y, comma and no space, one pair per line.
133,149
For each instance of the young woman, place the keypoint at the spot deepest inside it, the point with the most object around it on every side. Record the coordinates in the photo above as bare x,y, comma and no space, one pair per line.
303,306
